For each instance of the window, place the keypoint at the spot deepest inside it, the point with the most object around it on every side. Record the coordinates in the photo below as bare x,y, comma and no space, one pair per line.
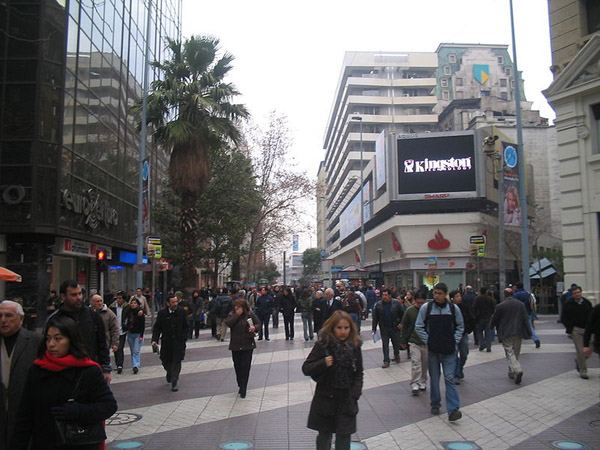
512,84
507,70
459,81
596,114
500,59
452,58
592,11
445,95
444,82
447,70
459,94
503,82
504,95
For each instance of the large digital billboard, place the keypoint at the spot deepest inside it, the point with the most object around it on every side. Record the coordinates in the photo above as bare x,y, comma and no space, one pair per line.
437,166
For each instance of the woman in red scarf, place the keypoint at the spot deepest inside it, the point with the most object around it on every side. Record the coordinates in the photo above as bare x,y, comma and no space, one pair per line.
62,359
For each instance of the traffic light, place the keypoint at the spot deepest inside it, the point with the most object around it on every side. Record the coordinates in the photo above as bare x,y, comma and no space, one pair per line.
101,261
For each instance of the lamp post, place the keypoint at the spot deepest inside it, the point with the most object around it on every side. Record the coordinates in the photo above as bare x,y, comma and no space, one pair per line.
362,197
380,251
489,148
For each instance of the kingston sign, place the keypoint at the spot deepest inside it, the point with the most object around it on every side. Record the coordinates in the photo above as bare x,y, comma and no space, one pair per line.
437,165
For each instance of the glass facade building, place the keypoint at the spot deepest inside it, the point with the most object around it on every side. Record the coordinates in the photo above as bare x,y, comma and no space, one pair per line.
70,72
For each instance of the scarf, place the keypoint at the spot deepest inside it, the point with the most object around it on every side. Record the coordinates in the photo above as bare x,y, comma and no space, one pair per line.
54,364
345,363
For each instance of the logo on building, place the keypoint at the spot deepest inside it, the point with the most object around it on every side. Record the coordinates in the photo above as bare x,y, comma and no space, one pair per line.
438,242
481,72
437,165
93,210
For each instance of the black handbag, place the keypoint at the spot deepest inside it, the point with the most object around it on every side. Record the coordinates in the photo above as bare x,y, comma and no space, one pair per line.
75,433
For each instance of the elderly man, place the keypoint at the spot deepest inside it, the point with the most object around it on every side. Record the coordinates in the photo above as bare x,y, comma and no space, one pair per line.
18,349
109,318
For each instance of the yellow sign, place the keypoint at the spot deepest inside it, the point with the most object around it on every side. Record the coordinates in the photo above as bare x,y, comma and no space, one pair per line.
157,251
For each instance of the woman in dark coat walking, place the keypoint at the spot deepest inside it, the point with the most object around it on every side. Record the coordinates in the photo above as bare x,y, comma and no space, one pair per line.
243,324
62,362
335,363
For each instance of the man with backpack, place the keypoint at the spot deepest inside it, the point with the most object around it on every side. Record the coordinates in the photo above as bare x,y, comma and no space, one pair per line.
221,307
440,326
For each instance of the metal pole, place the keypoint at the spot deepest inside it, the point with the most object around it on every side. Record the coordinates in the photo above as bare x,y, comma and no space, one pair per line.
284,280
362,202
143,132
521,156
152,294
501,256
101,284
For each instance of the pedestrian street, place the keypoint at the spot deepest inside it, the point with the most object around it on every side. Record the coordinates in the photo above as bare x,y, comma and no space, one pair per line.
552,406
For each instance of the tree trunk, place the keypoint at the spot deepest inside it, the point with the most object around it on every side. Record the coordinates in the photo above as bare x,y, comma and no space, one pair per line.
189,277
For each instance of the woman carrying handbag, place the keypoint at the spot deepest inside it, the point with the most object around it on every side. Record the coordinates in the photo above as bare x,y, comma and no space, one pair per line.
66,398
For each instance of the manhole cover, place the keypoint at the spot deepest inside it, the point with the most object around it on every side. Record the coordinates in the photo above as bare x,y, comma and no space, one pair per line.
568,445
236,445
460,445
122,419
130,445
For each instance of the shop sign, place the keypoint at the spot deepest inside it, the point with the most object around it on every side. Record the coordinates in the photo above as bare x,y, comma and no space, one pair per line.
89,205
68,246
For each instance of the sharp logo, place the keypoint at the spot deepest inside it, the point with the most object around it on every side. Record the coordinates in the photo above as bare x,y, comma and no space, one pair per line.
437,165
437,195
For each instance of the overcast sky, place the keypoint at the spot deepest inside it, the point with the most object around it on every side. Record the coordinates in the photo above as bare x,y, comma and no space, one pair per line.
289,54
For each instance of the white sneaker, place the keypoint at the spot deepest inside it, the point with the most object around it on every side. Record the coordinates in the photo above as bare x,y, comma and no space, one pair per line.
423,386
415,390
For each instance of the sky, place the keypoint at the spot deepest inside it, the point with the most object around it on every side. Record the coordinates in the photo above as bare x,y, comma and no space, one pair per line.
288,55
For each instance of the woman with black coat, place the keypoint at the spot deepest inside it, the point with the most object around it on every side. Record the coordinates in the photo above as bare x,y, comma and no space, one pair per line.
62,365
288,306
335,363
243,324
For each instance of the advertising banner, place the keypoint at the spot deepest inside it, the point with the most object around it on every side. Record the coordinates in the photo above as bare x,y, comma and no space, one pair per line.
510,189
295,242
437,166
350,218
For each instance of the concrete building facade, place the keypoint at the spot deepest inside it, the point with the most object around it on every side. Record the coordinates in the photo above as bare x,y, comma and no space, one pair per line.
575,96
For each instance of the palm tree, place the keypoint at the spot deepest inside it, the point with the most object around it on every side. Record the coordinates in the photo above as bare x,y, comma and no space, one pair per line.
191,113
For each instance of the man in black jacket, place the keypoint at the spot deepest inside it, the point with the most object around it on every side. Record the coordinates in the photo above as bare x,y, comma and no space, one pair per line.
388,314
483,310
90,324
171,329
574,317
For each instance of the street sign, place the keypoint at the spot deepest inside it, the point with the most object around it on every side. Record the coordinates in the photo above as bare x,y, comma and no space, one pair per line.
142,267
477,240
158,251
336,268
432,262
480,250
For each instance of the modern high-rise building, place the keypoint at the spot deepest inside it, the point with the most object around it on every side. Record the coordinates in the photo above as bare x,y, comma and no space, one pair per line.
70,72
575,96
411,126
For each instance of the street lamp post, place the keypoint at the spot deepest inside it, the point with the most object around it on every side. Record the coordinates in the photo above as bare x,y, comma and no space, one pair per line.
380,251
489,148
362,196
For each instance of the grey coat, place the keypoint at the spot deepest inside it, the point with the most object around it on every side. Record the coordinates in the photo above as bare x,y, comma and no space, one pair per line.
24,352
511,319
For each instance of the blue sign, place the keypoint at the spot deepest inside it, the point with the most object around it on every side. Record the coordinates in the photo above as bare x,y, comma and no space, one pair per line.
336,268
510,156
295,242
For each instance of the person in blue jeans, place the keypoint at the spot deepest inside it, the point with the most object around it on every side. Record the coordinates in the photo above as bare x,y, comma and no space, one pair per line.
440,326
462,350
135,332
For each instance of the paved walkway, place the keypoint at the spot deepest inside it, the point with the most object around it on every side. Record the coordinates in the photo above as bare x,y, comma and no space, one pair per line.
552,404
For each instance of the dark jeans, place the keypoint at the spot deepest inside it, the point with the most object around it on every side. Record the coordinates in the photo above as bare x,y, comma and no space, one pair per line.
173,368
241,363
288,322
275,317
264,325
484,333
462,352
197,324
386,335
342,441
119,355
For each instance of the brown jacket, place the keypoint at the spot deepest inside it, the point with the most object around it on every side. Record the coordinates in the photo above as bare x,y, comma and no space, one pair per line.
241,337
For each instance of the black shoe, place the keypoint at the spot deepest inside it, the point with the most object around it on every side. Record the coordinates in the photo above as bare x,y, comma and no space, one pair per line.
481,349
135,370
537,344
518,377
489,350
457,381
584,376
120,369
454,415
243,394
174,387
435,410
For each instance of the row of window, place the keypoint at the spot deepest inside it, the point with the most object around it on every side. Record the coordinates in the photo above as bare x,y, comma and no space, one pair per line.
459,82
452,59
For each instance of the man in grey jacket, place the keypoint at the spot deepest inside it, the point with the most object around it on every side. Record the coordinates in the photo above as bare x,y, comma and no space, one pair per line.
511,320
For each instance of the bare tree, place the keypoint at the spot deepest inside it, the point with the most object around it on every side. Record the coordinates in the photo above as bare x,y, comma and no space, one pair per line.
283,186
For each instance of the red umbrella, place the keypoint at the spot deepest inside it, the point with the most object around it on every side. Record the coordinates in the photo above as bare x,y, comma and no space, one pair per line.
8,275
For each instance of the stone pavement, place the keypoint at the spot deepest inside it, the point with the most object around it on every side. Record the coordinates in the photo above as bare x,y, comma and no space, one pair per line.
551,405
